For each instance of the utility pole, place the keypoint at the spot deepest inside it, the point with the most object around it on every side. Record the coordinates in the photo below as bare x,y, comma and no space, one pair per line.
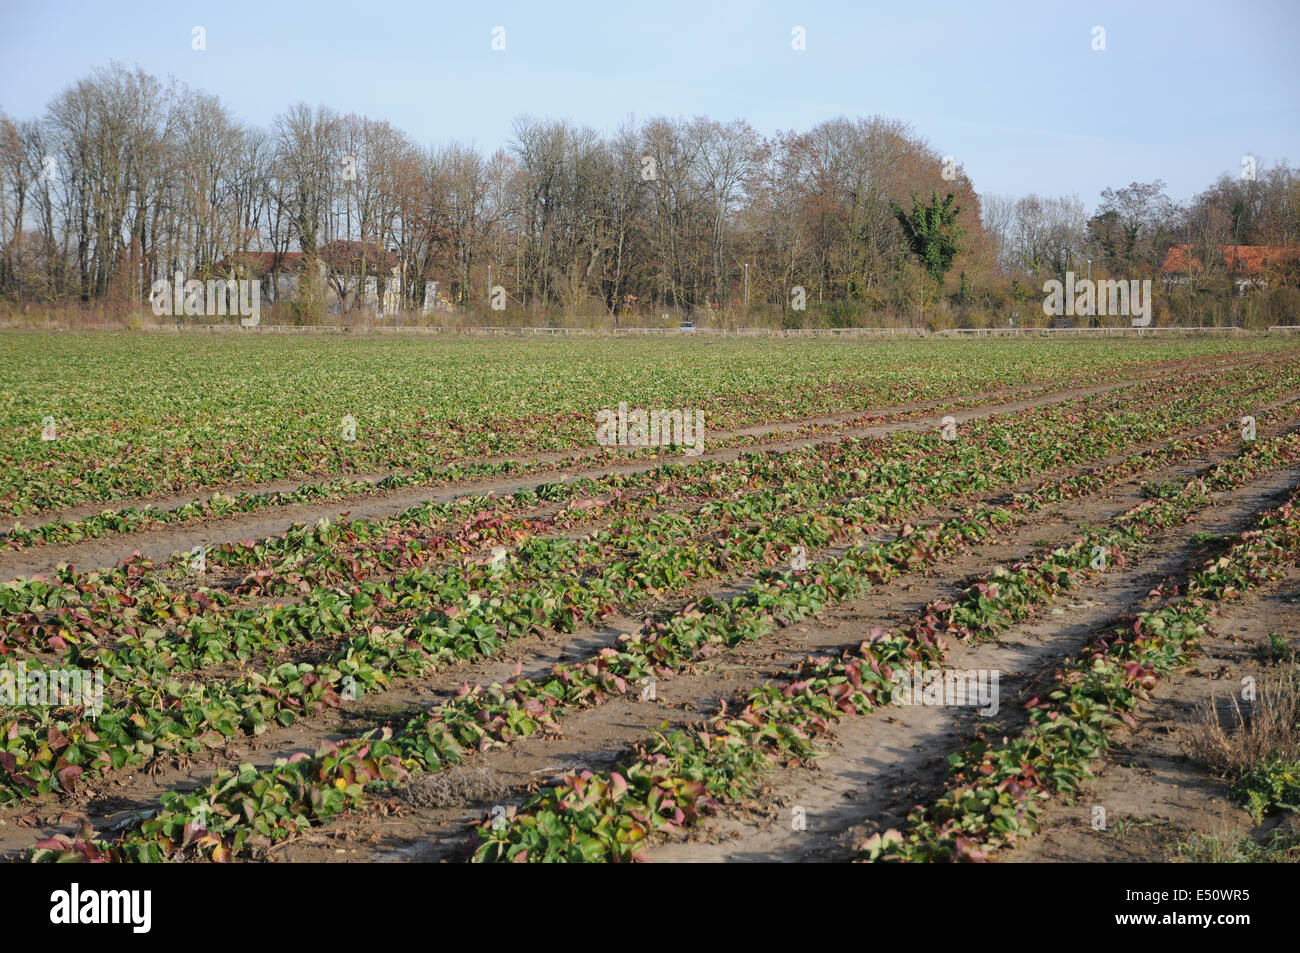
746,286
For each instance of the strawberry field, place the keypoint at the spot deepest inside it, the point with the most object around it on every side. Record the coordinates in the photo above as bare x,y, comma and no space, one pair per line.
391,599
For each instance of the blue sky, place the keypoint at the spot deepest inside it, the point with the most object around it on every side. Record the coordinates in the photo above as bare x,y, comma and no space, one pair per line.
1013,90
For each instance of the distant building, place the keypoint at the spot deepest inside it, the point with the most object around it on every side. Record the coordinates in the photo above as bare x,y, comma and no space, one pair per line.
353,272
278,271
1248,266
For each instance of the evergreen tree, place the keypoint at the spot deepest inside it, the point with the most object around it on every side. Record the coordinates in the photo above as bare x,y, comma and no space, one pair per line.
932,233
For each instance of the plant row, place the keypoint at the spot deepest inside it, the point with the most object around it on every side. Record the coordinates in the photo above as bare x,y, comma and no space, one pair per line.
152,710
250,424
675,778
1001,788
38,611
129,519
441,737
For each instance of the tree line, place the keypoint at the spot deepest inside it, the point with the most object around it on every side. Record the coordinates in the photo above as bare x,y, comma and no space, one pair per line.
125,179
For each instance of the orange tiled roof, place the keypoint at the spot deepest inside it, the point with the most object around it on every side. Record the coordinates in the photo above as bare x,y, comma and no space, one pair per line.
1240,259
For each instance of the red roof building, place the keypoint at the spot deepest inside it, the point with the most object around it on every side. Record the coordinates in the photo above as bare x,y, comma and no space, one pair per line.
1248,266
1240,260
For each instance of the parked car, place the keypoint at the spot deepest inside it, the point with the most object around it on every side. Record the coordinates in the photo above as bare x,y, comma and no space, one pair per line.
687,326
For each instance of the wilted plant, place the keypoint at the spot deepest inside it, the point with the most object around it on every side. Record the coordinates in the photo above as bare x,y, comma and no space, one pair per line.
1267,729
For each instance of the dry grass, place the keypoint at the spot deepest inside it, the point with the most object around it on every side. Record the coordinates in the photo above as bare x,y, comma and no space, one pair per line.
1267,728
455,787
1279,846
